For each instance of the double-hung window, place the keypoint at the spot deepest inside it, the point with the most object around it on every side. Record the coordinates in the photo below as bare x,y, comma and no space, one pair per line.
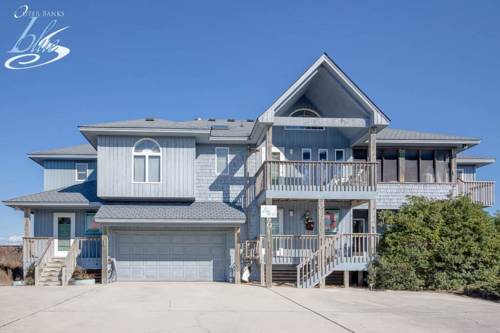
222,160
147,161
82,171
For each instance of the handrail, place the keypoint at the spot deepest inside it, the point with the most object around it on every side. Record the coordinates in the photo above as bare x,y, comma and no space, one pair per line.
45,257
315,176
481,192
348,248
70,262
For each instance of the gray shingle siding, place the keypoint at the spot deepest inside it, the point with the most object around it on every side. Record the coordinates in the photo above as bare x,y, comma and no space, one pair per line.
392,196
209,186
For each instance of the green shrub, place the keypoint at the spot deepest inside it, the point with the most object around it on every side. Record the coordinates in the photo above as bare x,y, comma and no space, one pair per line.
439,245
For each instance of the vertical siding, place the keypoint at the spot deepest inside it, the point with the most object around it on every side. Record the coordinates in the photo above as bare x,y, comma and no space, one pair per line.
209,186
116,169
44,222
61,173
330,138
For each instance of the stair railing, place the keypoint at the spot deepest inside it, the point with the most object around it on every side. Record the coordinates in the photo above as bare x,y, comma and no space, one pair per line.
318,264
45,257
70,262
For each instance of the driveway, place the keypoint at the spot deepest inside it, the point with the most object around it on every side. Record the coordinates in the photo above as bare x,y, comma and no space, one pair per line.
221,307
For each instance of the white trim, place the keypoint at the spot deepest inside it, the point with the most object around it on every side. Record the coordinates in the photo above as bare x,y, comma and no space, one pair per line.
146,162
304,109
343,154
225,171
304,128
55,231
304,150
76,171
321,150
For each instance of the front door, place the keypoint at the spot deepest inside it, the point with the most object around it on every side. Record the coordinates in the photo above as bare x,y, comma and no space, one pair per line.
64,233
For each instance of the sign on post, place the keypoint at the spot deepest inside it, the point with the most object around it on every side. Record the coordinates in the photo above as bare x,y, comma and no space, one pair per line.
269,211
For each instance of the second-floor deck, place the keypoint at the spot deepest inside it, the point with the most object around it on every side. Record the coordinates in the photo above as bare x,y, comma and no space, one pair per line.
481,192
316,179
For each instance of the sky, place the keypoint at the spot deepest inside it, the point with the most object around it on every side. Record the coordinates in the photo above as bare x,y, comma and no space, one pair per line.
429,65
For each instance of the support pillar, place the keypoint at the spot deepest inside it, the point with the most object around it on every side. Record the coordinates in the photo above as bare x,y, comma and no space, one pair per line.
453,169
321,237
346,279
269,249
402,166
27,222
104,256
237,260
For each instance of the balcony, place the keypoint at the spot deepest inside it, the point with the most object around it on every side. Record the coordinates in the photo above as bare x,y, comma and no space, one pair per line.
481,192
313,180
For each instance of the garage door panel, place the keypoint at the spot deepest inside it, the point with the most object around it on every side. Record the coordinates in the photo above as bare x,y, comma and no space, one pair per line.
171,256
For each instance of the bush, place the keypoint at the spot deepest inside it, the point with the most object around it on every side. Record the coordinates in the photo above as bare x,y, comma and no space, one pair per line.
448,245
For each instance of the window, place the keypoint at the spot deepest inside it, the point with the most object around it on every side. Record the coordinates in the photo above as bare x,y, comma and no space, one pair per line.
221,160
427,166
147,161
82,170
461,174
304,113
390,168
442,166
91,227
411,165
339,155
306,154
323,155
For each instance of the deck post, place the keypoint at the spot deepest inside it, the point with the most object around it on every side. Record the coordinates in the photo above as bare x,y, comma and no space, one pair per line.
453,169
269,156
372,157
346,279
269,249
237,262
321,238
104,258
372,153
27,222
402,167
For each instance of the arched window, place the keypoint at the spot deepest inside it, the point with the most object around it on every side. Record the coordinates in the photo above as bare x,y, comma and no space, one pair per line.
147,161
304,113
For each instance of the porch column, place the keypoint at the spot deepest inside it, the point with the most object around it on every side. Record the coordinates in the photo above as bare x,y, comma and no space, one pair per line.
346,279
269,249
27,222
104,256
453,168
402,166
372,157
321,237
237,263
269,155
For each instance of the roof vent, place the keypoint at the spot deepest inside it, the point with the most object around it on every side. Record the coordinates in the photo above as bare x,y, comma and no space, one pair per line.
197,118
231,120
150,119
250,120
220,127
211,119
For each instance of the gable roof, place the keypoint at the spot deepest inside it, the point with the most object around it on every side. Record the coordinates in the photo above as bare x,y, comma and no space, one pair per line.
84,194
379,118
194,212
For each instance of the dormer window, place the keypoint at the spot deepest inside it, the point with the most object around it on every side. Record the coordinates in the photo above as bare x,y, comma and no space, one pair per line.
147,161
304,113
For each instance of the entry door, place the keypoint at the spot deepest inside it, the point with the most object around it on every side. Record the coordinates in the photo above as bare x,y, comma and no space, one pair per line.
64,233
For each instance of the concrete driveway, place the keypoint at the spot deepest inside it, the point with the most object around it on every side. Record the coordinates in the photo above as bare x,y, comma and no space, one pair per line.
220,307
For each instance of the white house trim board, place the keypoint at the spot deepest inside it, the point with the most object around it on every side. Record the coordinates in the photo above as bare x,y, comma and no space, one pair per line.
55,220
378,117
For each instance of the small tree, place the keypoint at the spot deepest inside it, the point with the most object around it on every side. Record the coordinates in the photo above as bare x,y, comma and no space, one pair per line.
440,245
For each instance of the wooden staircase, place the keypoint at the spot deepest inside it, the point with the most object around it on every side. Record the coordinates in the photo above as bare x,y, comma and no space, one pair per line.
51,272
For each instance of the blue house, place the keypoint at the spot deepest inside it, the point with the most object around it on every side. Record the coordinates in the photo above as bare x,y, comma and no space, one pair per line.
160,200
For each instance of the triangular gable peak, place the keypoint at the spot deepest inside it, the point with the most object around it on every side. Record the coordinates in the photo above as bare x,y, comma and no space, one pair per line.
327,90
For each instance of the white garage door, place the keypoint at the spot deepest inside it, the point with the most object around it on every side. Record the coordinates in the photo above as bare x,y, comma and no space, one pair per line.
170,256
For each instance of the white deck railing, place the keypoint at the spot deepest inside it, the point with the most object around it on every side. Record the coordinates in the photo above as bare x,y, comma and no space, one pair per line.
481,192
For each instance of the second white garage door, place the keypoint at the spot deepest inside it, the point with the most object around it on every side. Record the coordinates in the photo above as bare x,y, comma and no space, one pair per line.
170,256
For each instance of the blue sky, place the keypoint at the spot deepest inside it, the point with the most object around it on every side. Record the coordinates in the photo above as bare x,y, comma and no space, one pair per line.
429,65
